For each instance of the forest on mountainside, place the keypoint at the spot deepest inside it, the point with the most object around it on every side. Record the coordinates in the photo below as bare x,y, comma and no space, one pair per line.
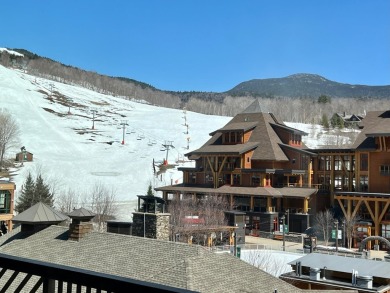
300,108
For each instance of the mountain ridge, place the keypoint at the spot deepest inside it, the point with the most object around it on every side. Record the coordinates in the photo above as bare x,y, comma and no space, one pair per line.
308,85
294,85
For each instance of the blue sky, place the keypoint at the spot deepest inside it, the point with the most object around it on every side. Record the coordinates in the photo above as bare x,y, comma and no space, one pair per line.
201,45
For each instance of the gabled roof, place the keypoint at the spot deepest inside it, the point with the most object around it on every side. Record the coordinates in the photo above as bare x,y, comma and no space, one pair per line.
172,264
40,214
376,123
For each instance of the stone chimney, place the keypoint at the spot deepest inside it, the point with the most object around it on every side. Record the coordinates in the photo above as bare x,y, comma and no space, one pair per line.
151,221
81,223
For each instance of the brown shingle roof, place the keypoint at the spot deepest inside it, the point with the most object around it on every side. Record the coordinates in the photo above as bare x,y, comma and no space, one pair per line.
263,136
376,123
169,263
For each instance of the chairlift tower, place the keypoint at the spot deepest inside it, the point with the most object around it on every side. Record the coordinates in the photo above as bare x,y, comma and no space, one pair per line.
167,145
69,101
51,88
94,112
123,123
185,116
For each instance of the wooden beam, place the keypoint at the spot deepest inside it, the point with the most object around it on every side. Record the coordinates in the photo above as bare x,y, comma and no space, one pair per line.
369,209
370,199
211,165
219,172
376,220
342,207
384,210
356,208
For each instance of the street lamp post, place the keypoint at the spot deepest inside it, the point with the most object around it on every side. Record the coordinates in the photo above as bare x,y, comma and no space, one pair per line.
288,220
344,245
283,218
336,222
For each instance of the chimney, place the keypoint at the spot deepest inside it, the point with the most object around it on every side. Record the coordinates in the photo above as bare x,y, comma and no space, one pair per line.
81,224
150,220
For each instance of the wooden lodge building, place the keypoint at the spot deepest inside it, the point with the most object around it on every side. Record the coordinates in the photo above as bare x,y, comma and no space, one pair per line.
7,193
262,167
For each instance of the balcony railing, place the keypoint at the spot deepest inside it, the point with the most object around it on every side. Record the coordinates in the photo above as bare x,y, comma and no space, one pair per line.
47,277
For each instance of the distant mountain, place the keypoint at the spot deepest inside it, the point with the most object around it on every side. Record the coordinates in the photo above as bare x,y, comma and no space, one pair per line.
345,97
306,85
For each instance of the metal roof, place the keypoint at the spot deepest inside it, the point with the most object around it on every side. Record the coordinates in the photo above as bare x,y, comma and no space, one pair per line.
81,213
365,267
40,213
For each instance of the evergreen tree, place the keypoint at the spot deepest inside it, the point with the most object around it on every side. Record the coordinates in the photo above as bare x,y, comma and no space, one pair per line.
34,192
324,99
42,192
150,190
337,121
26,198
324,121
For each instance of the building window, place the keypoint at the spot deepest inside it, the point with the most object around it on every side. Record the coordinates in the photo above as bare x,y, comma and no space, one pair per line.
363,162
386,230
364,183
347,163
239,137
5,202
236,179
232,137
321,163
328,163
385,170
337,163
255,181
338,182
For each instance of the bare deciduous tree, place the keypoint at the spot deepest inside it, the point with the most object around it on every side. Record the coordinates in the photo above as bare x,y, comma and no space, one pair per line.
67,201
189,216
323,223
350,223
9,134
102,202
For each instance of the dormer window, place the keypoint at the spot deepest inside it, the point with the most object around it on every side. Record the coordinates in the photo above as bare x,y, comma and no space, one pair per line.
295,139
232,137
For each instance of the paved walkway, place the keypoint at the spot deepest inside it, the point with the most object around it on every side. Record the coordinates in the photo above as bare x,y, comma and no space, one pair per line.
298,247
